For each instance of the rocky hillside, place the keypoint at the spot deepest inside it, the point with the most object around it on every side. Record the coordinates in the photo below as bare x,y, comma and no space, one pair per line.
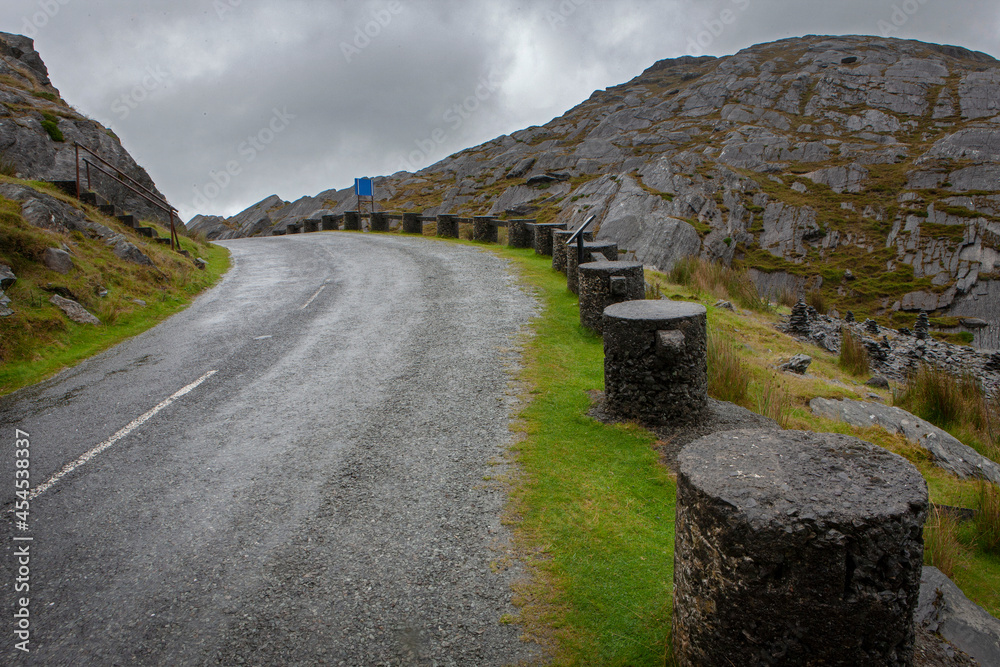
38,130
860,171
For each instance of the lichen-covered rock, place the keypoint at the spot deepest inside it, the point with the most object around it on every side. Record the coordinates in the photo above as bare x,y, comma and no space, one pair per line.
57,260
74,310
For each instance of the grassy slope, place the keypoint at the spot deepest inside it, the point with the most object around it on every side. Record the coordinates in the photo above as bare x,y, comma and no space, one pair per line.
38,340
594,508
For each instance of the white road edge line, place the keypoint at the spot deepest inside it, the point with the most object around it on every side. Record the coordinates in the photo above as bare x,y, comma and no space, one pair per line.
313,297
131,426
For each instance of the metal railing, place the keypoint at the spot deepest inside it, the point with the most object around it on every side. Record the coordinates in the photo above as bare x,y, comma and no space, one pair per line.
130,183
578,237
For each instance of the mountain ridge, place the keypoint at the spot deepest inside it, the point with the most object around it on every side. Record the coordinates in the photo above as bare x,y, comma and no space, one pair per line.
859,168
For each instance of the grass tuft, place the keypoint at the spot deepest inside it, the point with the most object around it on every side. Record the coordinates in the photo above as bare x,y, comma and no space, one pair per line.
853,355
942,547
987,517
728,375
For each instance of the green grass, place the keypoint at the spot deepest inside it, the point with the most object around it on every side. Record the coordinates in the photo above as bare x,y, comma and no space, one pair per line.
595,507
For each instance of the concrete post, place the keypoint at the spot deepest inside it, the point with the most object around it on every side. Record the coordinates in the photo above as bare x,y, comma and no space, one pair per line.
379,222
519,234
484,229
412,224
447,226
655,361
605,283
592,250
795,548
543,236
352,221
559,249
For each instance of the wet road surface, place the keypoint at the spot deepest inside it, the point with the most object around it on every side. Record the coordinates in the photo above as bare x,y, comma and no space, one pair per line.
294,470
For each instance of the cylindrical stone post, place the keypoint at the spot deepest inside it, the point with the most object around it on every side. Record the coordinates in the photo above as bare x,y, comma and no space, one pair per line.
329,223
655,361
352,221
310,225
412,224
519,234
543,236
484,229
293,228
592,250
795,548
604,283
379,222
447,226
559,250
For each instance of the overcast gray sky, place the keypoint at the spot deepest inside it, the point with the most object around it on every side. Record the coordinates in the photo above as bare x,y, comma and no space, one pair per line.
292,97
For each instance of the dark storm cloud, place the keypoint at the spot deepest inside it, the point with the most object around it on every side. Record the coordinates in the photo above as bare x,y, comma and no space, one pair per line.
247,98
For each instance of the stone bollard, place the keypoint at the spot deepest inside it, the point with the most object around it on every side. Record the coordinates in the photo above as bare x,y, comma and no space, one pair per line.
310,225
412,224
484,229
559,249
293,228
592,251
447,226
379,222
330,222
604,283
543,236
519,234
655,360
795,548
352,221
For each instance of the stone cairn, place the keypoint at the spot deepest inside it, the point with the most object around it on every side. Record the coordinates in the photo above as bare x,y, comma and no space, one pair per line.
592,251
655,361
871,326
849,318
605,283
798,321
922,328
815,555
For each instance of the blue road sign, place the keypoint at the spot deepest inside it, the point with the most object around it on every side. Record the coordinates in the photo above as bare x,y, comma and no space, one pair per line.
363,187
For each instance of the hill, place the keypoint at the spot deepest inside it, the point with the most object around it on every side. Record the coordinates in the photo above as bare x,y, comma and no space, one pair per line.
860,170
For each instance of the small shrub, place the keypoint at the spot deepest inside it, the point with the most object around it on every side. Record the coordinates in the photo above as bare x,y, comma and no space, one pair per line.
853,355
987,518
45,95
728,375
941,546
50,124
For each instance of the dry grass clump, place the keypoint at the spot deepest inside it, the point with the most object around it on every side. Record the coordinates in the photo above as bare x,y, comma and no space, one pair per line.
942,548
719,280
728,375
853,355
987,517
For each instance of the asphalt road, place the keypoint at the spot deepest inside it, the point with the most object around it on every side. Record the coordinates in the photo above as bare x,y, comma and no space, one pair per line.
322,496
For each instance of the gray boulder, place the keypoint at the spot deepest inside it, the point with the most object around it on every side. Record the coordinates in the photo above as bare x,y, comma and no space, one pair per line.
948,452
944,609
74,310
797,364
57,260
129,252
7,277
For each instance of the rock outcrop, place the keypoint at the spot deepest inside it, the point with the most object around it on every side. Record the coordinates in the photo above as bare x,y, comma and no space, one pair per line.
860,167
38,131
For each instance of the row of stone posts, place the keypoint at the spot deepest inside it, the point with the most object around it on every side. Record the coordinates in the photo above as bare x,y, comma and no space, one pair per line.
791,547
